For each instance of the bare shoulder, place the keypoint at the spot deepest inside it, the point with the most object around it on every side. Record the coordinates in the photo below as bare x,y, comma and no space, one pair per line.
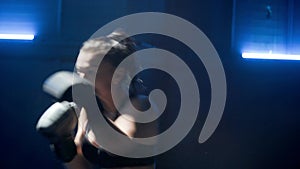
127,123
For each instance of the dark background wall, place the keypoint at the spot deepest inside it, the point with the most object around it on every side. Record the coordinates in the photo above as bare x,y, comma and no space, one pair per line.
260,126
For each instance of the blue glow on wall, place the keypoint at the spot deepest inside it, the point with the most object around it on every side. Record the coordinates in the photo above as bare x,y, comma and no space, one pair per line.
29,17
259,27
17,18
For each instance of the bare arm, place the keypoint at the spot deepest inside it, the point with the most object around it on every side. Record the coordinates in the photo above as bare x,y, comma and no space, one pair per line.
128,127
79,162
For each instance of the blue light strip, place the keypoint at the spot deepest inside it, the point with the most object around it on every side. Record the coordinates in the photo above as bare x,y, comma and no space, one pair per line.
270,56
17,36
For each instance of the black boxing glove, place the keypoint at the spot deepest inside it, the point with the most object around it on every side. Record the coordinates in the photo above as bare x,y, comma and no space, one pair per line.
60,85
57,124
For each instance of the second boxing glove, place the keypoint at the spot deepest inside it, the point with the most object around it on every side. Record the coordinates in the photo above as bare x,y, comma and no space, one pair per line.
57,124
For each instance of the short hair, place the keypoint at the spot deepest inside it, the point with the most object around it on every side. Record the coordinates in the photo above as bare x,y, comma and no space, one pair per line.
113,49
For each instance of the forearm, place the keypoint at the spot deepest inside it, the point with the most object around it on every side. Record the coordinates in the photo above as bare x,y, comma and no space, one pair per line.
79,162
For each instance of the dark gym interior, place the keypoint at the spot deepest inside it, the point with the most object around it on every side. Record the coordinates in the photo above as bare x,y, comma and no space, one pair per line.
260,124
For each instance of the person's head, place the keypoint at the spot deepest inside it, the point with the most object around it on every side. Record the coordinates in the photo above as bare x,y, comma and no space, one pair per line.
111,50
